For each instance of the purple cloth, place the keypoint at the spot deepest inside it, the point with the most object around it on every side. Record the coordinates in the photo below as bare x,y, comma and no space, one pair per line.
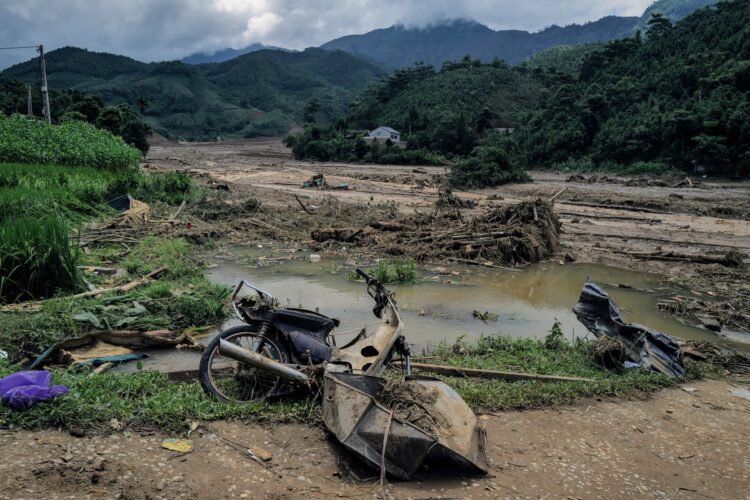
23,390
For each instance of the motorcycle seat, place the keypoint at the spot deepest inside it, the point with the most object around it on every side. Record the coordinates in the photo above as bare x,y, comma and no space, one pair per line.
309,322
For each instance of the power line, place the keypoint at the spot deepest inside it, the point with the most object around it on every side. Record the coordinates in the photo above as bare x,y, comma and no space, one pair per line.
15,48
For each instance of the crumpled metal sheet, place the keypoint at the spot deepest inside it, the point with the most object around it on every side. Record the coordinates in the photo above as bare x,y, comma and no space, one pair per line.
352,413
649,349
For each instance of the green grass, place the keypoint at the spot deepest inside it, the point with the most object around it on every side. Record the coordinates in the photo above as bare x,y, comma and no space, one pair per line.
142,400
392,272
182,298
37,259
75,144
38,204
551,356
148,399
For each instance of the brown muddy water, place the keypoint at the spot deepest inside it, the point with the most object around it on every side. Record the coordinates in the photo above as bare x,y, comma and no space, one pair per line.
440,307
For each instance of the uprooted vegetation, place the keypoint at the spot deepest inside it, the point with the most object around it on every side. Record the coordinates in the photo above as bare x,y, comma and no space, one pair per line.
517,234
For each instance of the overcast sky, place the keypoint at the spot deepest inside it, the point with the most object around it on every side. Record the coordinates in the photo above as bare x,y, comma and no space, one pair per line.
170,29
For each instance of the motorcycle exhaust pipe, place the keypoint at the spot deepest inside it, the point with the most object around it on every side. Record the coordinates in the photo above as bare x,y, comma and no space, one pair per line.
251,358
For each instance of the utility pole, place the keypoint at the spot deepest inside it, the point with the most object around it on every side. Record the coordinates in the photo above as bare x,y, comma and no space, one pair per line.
29,105
45,93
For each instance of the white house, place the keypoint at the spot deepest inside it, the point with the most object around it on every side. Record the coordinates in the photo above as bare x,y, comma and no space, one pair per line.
383,134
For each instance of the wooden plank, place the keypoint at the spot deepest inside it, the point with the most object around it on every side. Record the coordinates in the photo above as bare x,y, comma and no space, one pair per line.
455,371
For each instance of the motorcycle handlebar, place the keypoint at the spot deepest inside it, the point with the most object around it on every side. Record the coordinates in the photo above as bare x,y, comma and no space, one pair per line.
364,274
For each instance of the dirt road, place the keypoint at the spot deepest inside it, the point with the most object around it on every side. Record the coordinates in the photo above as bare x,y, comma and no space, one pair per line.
678,444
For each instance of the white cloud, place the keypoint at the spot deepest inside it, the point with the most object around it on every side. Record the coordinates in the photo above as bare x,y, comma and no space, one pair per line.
169,29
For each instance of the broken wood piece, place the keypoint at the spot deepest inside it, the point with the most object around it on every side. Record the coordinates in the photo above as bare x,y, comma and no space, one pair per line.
558,194
179,210
304,207
492,374
484,264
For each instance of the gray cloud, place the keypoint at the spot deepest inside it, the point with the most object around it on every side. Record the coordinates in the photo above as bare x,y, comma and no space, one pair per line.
170,29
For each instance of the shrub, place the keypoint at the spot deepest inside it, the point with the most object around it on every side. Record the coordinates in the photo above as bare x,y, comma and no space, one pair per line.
37,259
497,161
72,143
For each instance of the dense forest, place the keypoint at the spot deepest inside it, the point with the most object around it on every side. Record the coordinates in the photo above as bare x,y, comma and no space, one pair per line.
70,105
260,93
676,96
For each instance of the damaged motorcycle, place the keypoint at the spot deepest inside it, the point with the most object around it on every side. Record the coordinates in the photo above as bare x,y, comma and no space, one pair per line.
278,351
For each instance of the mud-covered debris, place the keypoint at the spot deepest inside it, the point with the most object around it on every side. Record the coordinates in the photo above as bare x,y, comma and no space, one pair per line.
609,352
316,181
412,404
446,199
729,359
518,234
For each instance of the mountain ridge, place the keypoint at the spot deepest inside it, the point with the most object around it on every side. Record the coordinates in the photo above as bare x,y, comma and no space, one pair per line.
259,93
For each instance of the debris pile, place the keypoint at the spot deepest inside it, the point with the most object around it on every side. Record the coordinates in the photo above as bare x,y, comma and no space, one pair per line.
732,360
518,234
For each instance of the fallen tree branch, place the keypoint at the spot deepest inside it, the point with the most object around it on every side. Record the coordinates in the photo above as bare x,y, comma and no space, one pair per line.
31,306
304,207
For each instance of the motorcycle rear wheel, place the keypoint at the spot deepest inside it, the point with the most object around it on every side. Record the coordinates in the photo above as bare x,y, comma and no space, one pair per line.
233,381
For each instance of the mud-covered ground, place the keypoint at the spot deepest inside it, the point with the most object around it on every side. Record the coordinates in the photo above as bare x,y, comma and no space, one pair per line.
679,444
687,442
606,219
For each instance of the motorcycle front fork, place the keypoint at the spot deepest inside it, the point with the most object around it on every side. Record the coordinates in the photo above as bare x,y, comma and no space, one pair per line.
405,350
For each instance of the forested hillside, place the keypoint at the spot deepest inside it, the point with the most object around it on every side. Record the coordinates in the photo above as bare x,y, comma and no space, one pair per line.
677,98
225,54
261,93
680,97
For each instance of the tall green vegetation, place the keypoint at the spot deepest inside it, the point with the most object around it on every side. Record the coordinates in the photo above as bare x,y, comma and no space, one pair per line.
679,96
38,204
37,259
72,105
74,143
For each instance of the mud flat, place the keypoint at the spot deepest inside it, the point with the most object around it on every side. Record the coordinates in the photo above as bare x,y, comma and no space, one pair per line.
630,223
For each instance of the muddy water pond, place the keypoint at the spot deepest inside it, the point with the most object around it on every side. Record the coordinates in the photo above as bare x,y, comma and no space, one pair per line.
522,303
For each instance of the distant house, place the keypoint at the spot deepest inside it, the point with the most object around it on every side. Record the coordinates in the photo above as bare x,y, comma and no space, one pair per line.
382,134
506,130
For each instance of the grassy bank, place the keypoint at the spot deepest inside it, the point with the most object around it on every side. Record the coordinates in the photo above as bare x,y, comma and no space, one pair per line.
181,298
75,144
40,204
148,399
556,356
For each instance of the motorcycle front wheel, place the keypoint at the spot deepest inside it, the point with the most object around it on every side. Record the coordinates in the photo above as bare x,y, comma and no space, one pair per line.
234,381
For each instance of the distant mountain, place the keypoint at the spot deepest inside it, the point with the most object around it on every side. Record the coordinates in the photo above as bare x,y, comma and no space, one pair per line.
260,93
673,9
400,46
227,54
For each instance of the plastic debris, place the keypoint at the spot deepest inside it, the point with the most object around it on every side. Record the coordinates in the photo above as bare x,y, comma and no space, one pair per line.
23,390
178,445
3,354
